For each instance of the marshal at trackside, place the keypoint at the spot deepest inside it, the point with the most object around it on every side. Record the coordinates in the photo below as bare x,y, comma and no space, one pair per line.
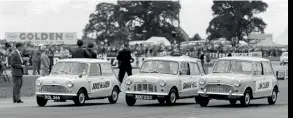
100,85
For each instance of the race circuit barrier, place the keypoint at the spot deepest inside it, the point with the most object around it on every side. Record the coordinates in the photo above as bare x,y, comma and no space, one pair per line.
28,87
220,55
138,60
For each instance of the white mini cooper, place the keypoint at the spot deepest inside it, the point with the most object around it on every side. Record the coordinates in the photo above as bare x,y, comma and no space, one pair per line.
239,78
165,79
78,80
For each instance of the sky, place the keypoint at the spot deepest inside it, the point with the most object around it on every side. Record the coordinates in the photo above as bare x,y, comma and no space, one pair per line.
73,15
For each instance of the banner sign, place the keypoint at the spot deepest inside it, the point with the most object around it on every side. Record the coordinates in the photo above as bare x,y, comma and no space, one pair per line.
42,37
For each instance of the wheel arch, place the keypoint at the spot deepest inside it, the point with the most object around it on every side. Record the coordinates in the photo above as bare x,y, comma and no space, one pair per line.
249,88
86,92
177,92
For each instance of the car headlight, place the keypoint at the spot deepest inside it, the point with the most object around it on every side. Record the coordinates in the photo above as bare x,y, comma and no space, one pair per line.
202,81
162,83
69,84
39,83
237,83
128,81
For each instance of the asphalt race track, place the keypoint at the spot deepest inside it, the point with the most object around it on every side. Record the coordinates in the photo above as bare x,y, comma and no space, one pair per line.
185,108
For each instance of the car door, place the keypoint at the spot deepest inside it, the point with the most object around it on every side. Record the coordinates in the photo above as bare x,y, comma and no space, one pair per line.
95,81
185,79
269,78
195,76
108,78
258,80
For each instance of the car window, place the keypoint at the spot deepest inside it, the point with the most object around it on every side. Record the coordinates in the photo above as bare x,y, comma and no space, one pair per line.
71,68
185,68
95,70
194,69
258,69
267,68
200,67
158,66
106,69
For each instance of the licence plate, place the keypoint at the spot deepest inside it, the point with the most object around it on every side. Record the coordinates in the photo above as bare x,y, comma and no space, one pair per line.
144,97
52,97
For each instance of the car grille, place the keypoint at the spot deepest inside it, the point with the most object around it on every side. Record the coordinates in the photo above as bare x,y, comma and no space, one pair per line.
145,87
54,89
218,88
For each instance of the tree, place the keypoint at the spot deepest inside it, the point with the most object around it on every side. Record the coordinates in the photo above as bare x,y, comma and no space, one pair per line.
103,23
236,19
149,18
196,37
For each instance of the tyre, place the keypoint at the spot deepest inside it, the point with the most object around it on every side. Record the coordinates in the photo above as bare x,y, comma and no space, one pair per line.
197,99
245,100
80,98
204,101
114,96
272,100
172,97
161,101
130,100
41,101
233,102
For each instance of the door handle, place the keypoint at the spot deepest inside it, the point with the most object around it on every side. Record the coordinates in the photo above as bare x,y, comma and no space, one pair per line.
89,81
102,78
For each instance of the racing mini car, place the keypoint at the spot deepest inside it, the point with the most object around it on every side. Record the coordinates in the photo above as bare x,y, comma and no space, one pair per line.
284,58
165,79
78,80
239,78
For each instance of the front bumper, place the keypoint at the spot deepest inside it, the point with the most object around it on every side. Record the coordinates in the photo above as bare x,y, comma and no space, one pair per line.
64,96
215,95
155,95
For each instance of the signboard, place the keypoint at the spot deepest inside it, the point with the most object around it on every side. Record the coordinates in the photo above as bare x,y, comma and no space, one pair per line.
42,37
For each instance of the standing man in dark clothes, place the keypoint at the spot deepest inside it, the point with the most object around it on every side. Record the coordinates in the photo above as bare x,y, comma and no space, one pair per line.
17,72
80,52
51,58
124,60
90,49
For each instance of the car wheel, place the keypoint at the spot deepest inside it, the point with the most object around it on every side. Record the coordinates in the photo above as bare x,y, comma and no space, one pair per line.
197,99
130,100
204,101
161,101
272,100
114,96
80,99
172,97
245,100
233,102
41,101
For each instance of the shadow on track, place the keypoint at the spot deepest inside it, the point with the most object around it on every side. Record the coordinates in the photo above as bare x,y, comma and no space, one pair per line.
239,106
162,105
73,105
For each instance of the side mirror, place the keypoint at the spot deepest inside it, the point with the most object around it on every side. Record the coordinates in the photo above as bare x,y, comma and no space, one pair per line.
80,76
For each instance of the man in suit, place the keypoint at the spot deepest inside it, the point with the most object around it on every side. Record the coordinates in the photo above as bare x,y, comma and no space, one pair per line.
45,63
124,60
80,52
17,72
90,49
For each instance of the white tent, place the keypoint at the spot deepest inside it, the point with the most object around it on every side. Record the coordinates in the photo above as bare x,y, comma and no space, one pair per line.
267,43
282,38
158,40
135,42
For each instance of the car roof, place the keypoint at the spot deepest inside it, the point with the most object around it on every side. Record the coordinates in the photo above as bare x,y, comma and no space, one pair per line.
243,58
84,60
174,58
